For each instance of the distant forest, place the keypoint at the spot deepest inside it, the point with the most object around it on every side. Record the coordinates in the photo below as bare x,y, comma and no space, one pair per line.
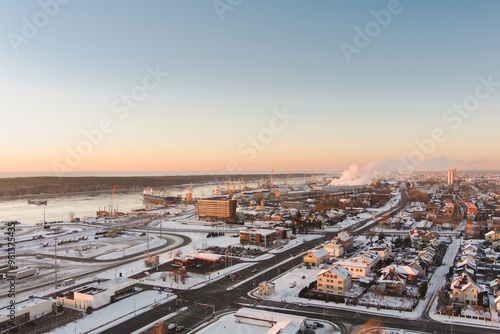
31,186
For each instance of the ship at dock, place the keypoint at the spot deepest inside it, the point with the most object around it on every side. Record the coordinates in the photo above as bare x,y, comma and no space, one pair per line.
159,197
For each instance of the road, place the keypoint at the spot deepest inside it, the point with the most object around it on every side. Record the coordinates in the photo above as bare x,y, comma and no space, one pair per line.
223,294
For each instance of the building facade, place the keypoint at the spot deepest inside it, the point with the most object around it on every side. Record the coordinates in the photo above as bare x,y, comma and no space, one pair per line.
336,280
217,208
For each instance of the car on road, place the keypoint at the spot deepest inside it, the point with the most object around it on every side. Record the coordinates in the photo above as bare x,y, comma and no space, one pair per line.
318,324
179,328
171,326
254,270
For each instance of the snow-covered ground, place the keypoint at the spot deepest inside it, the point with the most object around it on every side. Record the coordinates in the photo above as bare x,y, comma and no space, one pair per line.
283,292
116,313
193,280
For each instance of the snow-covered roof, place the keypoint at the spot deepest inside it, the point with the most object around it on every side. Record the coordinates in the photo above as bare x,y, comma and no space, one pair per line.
348,263
403,270
391,276
319,253
289,324
463,282
337,270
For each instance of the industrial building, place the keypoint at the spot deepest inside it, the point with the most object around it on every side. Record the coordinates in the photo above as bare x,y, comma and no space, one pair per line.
26,310
99,295
276,322
217,208
261,237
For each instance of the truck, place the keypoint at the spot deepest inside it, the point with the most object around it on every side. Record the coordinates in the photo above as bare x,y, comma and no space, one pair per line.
22,272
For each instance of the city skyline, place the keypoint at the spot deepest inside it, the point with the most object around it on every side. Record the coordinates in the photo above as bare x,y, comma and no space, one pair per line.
257,86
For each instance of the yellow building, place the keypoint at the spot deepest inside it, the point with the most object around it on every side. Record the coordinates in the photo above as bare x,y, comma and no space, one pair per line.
217,208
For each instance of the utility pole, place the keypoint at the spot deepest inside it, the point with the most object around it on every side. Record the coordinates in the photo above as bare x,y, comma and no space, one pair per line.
55,264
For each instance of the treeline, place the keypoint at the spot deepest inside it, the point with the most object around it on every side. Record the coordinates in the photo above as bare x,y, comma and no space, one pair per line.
27,186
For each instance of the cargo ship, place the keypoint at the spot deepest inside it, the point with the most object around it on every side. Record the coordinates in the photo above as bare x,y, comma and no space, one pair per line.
158,197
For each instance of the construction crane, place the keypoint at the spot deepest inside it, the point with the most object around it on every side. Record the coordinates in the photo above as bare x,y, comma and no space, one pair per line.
313,178
246,187
271,178
111,206
239,187
261,183
232,185
286,182
226,185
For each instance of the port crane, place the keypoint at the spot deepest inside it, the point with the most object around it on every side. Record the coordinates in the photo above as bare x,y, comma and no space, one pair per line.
228,190
239,187
232,185
245,185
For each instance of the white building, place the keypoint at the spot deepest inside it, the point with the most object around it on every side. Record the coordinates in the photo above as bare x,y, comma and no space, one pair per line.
98,295
26,310
277,322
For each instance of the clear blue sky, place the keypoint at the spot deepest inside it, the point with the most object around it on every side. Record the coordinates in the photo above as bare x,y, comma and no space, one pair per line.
227,76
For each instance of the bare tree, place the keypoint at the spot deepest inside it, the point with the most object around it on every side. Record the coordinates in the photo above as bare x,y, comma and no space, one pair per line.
372,326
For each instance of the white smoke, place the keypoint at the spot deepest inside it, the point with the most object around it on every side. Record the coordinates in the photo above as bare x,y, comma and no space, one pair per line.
357,175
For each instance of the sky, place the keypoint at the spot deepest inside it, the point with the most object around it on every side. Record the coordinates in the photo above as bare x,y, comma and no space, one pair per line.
231,85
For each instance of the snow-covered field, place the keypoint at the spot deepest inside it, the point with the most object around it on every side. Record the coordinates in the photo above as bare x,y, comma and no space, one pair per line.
193,280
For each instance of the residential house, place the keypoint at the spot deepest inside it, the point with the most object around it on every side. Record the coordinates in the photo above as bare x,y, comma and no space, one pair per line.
266,288
372,258
384,250
336,280
495,286
316,257
492,236
420,267
345,239
357,269
392,283
407,272
335,248
465,291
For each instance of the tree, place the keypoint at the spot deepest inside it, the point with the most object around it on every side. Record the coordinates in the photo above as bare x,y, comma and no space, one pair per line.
422,290
372,326
371,234
157,328
381,236
89,310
